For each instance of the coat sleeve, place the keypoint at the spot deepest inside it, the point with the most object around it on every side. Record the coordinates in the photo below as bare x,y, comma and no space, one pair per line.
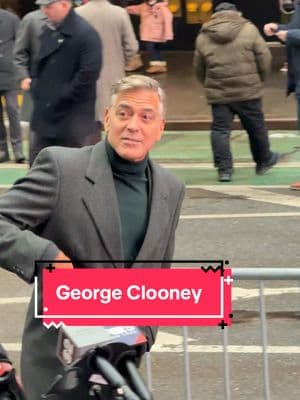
199,61
293,37
134,9
88,71
23,209
168,23
129,42
262,55
22,49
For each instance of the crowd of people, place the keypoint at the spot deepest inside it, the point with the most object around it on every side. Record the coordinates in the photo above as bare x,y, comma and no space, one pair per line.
65,60
68,112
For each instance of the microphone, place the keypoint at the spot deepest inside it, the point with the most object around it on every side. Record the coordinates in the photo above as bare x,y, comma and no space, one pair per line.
101,361
136,380
114,378
75,341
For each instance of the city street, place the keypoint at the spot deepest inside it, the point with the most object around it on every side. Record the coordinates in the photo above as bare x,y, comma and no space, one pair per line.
251,227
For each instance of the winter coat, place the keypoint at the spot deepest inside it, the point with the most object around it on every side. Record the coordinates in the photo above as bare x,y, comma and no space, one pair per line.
293,52
119,45
27,43
9,23
231,59
156,21
64,79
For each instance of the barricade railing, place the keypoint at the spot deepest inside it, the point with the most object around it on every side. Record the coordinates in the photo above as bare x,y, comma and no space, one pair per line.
238,274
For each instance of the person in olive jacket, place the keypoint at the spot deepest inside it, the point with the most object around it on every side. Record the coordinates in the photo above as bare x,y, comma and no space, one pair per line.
232,60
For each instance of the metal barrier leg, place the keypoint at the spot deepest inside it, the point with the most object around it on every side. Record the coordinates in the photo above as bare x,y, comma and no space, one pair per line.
148,371
187,371
264,340
226,365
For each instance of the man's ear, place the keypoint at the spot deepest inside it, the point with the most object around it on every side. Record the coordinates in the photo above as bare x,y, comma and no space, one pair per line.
161,130
106,120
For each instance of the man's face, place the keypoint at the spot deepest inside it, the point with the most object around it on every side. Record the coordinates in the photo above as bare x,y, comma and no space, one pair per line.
134,123
56,11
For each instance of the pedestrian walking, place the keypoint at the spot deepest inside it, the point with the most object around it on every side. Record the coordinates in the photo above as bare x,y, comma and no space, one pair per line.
119,45
9,89
26,52
290,34
232,60
156,27
64,79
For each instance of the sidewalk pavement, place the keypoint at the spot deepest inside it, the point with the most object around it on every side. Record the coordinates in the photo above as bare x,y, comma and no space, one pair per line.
188,155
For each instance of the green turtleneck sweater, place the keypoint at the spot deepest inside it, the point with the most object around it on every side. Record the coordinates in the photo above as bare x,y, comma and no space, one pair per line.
131,183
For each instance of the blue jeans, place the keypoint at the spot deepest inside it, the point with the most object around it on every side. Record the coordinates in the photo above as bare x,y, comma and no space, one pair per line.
154,50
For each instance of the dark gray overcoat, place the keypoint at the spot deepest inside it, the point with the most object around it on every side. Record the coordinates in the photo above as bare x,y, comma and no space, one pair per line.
68,202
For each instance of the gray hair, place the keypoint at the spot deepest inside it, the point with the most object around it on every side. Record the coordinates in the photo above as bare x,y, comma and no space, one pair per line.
134,82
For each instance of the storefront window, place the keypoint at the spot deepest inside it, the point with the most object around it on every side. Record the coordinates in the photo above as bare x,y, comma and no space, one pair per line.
198,11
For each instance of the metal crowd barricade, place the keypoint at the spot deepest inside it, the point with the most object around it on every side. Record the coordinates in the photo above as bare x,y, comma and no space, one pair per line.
238,274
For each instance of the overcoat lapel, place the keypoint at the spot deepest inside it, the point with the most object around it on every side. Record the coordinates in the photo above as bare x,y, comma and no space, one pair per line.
159,217
52,40
101,202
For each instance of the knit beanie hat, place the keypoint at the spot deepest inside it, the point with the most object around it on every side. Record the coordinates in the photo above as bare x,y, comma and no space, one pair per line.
225,6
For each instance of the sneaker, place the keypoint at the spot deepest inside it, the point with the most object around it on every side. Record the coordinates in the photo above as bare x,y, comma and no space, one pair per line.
134,64
261,169
20,158
295,186
224,176
4,157
284,68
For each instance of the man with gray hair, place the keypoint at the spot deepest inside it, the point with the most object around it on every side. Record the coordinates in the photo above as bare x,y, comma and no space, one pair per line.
108,202
26,51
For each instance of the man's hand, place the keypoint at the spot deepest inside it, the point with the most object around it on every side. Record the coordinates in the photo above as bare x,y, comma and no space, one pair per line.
62,265
270,29
25,84
5,367
282,35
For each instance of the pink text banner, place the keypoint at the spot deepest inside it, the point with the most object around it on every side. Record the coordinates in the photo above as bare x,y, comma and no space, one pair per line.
102,296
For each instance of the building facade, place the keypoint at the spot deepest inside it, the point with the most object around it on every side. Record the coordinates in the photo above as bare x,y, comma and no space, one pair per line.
188,15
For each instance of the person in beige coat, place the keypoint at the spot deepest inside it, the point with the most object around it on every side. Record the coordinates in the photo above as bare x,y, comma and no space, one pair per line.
119,45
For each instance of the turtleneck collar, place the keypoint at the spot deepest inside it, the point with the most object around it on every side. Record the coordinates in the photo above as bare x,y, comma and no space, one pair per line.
120,165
